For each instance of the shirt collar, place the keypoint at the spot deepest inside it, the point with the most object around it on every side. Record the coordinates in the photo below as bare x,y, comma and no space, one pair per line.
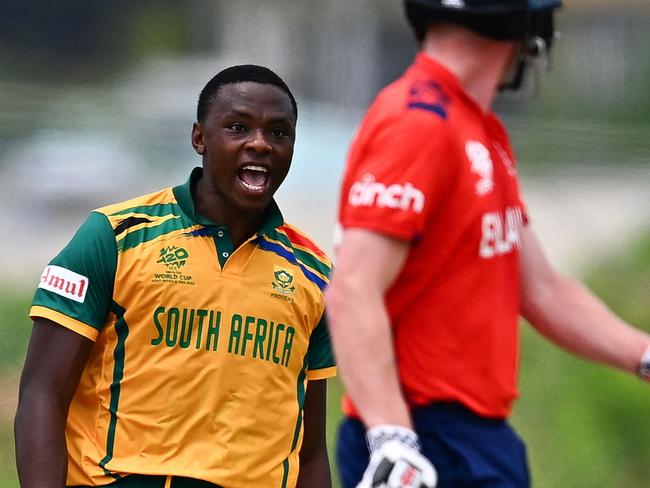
429,67
272,217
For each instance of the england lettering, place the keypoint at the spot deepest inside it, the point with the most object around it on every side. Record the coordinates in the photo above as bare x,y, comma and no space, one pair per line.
500,232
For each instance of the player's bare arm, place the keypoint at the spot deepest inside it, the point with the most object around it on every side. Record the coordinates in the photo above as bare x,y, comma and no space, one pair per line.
314,462
567,313
360,327
55,359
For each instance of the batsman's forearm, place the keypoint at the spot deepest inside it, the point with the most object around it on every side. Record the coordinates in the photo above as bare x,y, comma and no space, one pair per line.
41,455
363,344
572,317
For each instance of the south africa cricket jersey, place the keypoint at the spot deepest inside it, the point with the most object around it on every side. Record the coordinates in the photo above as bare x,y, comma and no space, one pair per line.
203,352
430,167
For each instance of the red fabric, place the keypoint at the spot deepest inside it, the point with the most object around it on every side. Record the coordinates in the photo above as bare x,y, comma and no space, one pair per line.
429,166
302,240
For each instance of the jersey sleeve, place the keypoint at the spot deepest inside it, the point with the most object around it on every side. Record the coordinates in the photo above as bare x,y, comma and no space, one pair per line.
320,358
76,288
395,175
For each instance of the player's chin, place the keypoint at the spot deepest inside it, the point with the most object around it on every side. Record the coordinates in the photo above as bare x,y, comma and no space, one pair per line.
253,202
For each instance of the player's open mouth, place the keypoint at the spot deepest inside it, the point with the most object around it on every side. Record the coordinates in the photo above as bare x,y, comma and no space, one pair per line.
253,178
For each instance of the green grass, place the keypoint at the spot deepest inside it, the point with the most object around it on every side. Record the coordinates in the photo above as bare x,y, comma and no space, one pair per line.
334,414
15,328
585,425
8,477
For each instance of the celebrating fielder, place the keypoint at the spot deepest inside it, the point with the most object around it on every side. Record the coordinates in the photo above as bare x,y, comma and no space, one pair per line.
179,339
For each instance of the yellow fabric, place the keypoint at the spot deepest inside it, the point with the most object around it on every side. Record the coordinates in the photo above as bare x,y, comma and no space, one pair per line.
203,374
68,322
321,374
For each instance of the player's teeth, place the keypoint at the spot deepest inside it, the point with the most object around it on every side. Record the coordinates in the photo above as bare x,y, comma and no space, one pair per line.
255,168
252,187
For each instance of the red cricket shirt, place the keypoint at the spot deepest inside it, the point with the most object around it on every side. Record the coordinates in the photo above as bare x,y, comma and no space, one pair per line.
429,166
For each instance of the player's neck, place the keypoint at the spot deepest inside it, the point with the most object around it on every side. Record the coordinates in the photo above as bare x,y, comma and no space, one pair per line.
241,223
479,63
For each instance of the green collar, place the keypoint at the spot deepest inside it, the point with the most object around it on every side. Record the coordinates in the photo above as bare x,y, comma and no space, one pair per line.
183,193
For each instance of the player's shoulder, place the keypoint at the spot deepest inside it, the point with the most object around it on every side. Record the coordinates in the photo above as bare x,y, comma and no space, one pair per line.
150,206
413,104
160,197
305,249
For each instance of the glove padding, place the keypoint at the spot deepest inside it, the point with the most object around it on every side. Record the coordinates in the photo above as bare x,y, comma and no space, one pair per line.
396,462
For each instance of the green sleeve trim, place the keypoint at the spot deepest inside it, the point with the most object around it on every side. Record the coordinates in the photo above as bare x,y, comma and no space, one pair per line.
91,253
319,353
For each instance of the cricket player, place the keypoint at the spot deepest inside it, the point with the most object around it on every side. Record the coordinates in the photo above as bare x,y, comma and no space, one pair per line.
438,258
179,339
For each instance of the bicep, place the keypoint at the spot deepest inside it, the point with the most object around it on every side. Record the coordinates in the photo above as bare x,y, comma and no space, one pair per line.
315,414
56,357
369,260
537,276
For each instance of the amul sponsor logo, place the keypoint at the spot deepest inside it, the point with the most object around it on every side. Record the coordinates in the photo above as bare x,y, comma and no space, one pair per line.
64,282
368,193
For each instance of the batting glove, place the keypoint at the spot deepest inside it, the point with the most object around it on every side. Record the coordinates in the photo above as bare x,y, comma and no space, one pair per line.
396,460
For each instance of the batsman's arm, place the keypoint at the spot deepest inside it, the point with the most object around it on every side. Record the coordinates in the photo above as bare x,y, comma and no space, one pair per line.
56,357
314,463
367,263
571,316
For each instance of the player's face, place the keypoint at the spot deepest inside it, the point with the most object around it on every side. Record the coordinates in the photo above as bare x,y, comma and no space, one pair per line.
246,142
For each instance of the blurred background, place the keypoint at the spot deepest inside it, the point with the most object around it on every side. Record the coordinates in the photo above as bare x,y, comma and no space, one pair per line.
96,105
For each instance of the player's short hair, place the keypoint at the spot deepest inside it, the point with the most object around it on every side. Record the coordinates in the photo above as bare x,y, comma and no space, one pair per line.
240,74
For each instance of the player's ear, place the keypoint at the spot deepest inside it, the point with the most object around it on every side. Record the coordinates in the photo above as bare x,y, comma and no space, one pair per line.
198,142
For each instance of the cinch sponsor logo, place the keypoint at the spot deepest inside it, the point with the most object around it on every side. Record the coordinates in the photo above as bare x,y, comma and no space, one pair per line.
500,232
368,193
64,282
253,337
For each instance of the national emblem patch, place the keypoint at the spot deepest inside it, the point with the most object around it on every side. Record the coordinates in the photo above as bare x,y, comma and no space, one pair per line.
283,281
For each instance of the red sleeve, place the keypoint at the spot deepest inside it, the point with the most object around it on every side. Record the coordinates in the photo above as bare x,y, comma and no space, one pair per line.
395,174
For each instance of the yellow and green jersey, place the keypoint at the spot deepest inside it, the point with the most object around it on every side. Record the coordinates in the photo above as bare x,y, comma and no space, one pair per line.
202,352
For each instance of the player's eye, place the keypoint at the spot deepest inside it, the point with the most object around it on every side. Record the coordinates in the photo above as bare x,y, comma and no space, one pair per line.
278,132
237,127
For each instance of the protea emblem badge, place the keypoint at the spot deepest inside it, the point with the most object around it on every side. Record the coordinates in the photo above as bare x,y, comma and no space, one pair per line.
283,281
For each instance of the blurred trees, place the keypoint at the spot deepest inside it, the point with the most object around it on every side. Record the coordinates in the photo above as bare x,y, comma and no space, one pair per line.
338,52
78,39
